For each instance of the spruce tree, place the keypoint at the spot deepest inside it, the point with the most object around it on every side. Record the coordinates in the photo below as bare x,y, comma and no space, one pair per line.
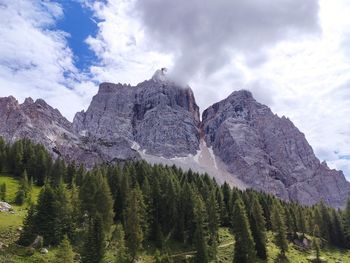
94,246
134,220
325,220
53,214
316,243
279,228
23,192
258,227
63,221
244,250
96,198
301,221
337,236
64,252
213,223
200,233
30,230
119,240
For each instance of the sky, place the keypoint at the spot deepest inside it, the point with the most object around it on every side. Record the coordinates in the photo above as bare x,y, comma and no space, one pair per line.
294,55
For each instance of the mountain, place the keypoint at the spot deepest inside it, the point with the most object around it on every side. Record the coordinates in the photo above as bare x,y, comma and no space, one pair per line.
269,152
238,140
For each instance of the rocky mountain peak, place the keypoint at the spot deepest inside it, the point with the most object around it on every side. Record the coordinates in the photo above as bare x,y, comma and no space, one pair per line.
161,117
239,139
269,152
28,101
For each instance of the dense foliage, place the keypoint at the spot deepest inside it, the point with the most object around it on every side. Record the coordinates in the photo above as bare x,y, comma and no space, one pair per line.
129,204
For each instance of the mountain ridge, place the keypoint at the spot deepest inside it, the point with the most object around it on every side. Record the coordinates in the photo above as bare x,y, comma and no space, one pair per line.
238,139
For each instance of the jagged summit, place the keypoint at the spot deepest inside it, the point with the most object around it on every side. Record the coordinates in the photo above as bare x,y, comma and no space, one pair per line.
238,140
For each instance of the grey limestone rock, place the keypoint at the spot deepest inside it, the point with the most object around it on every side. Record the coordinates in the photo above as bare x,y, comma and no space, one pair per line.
158,115
160,118
269,153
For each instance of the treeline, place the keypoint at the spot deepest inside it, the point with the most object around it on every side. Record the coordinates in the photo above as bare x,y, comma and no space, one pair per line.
126,206
25,156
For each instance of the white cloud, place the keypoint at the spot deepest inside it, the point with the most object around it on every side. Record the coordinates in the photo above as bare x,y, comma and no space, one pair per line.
305,77
36,61
125,54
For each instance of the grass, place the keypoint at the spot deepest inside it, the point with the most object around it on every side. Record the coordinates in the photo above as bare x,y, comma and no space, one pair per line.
15,220
10,224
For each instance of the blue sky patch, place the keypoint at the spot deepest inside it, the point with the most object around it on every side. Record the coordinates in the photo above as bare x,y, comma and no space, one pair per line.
79,23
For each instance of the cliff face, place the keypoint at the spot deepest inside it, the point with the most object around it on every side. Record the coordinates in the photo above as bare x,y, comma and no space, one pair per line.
239,140
161,117
269,153
37,121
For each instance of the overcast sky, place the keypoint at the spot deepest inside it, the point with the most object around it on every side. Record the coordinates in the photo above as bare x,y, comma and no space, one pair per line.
294,55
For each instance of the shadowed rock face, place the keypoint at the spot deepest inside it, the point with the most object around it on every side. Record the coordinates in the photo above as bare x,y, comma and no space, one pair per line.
269,153
158,120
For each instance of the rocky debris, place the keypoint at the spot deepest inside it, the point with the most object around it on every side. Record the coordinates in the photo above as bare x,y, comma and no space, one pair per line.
269,153
5,207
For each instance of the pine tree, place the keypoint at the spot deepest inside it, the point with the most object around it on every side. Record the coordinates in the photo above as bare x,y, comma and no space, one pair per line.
301,221
200,233
258,227
337,236
41,166
96,198
134,219
119,240
64,252
226,215
326,224
63,221
244,251
94,246
23,192
29,231
58,172
316,243
213,223
49,210
279,228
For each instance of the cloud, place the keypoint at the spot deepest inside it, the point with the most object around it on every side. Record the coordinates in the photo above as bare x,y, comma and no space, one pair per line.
292,54
204,35
121,45
35,60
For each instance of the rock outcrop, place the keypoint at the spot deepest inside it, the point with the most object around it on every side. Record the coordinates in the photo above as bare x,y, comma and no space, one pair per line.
160,116
37,121
239,140
269,153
